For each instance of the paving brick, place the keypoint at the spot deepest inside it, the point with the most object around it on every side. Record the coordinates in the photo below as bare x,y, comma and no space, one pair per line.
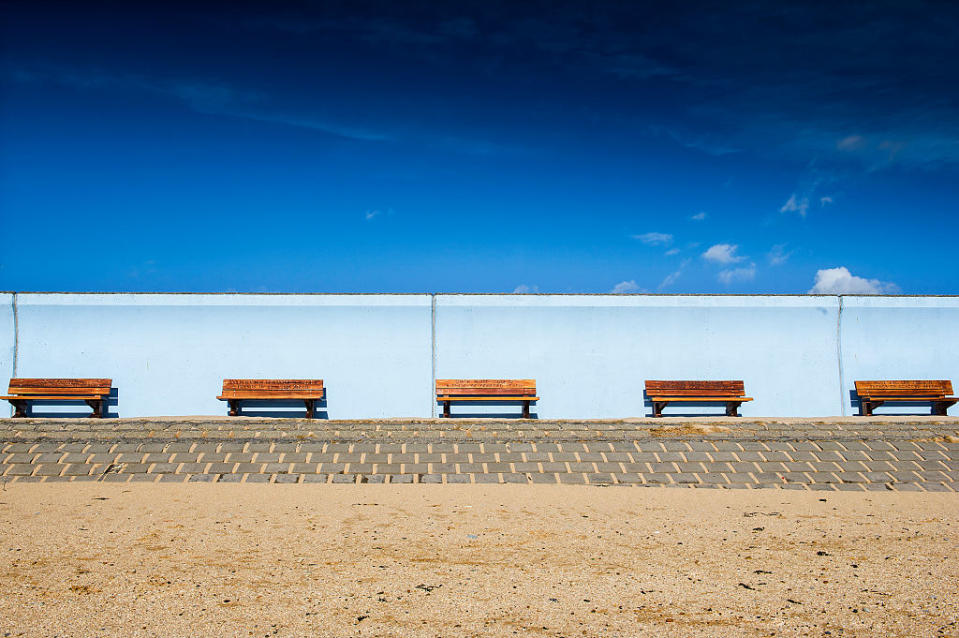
79,469
486,478
430,478
542,478
291,478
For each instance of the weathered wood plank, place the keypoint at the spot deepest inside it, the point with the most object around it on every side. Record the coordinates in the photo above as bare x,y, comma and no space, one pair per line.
904,387
694,388
480,387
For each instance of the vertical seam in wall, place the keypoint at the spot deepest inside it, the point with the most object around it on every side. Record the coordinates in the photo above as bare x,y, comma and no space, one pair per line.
432,355
16,340
842,381
16,334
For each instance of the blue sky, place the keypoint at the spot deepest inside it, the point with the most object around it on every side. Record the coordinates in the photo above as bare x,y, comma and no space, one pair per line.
480,147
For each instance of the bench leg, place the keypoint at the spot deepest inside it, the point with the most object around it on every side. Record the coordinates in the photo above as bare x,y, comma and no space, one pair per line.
525,409
866,407
19,409
658,408
446,409
732,408
310,404
939,408
234,407
97,406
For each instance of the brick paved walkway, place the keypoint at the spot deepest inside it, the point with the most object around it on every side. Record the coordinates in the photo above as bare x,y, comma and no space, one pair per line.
879,453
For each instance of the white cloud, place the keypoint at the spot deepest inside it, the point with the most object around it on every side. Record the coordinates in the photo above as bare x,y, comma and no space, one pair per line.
373,213
698,217
672,251
839,281
626,287
671,278
723,254
825,200
655,239
523,289
777,255
732,275
796,205
851,143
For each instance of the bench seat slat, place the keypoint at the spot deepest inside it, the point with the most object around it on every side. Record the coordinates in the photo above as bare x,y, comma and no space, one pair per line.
703,399
26,393
475,398
250,394
53,397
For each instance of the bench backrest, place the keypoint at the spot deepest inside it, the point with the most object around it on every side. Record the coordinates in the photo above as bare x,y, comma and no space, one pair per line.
65,387
253,388
486,387
904,388
695,388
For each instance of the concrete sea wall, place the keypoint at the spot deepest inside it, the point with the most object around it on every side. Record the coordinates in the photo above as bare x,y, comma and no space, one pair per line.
379,354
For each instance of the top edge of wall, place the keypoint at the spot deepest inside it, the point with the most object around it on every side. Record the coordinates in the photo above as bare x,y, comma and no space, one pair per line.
472,294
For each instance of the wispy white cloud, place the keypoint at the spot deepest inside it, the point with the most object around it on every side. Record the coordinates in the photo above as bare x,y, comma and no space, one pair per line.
839,281
825,200
655,239
626,287
698,217
723,254
796,205
672,251
373,213
671,278
735,275
851,143
778,255
524,289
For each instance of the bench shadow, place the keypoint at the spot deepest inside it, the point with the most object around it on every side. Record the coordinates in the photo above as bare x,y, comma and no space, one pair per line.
670,410
922,408
518,414
295,408
83,411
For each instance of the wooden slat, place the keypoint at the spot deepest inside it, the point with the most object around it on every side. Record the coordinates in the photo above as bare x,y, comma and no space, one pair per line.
277,394
702,399
480,387
33,386
267,385
905,387
485,398
54,397
694,388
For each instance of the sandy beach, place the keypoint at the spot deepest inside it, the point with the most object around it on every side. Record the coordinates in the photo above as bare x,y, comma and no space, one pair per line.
269,560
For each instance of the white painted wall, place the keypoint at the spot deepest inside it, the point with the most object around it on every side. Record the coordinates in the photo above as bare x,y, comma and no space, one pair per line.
6,345
169,354
899,338
590,354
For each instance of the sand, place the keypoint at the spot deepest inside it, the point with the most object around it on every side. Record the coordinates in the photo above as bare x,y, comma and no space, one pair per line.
302,560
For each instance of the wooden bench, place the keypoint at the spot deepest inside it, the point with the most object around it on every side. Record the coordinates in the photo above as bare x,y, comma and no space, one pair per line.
872,394
662,393
479,390
308,390
91,391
